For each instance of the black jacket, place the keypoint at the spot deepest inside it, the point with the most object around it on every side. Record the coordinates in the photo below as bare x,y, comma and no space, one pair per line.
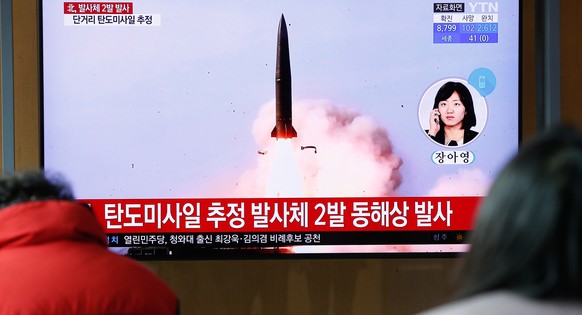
468,136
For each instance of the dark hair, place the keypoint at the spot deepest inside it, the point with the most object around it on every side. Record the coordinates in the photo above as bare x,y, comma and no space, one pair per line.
446,91
528,233
33,185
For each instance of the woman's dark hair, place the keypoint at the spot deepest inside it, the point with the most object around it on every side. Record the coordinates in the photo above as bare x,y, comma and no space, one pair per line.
528,233
31,186
470,120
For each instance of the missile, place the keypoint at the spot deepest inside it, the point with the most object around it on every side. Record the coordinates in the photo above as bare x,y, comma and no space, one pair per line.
283,123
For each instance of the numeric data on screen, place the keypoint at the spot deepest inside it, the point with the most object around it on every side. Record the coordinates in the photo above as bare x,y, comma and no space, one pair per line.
470,23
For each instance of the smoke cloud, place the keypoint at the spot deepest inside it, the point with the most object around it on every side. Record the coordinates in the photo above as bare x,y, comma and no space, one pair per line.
472,182
353,156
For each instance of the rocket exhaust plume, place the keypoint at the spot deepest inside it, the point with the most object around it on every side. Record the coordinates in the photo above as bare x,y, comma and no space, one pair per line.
283,107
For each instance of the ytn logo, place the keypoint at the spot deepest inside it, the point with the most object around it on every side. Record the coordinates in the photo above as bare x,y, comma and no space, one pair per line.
484,7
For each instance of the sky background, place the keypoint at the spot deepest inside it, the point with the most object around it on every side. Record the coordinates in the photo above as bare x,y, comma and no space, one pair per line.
181,109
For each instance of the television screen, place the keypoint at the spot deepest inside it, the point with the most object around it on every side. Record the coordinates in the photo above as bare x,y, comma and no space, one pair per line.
283,128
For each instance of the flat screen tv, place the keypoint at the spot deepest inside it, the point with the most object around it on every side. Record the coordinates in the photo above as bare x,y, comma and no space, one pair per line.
248,128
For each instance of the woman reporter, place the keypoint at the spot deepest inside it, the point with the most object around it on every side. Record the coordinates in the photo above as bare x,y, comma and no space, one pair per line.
453,115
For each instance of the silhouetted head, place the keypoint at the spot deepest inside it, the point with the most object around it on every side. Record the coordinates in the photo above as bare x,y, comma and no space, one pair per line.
31,186
446,91
528,233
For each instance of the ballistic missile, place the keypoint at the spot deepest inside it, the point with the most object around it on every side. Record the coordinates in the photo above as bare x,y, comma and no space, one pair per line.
283,123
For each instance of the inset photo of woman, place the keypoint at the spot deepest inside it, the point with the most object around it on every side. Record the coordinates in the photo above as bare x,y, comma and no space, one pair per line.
452,113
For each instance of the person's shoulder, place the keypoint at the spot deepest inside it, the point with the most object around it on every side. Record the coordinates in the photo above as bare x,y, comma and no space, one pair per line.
470,135
125,264
438,138
504,302
135,281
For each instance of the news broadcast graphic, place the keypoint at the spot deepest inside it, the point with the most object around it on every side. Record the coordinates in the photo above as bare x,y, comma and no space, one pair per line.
197,129
468,23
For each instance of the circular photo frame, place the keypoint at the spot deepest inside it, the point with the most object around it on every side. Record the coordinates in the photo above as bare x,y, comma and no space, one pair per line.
427,103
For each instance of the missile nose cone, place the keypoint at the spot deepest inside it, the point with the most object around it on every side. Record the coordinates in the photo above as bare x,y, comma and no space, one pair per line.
282,28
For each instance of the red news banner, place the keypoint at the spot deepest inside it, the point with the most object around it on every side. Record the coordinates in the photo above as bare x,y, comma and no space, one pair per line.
98,7
220,215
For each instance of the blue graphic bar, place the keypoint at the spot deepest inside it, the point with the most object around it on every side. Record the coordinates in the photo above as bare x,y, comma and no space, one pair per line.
465,38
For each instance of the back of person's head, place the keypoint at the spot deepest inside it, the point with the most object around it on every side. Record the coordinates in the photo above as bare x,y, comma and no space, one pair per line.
528,234
31,186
